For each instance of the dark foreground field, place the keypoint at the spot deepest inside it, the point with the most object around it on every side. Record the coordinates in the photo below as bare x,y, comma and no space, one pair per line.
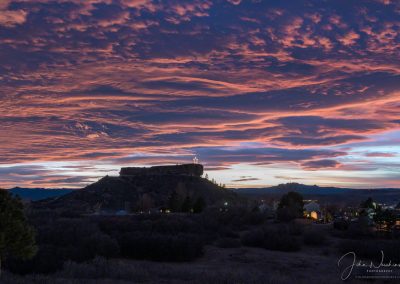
217,245
313,263
231,265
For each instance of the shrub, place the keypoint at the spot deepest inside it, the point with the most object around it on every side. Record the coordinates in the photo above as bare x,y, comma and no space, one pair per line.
64,232
154,237
102,245
286,214
253,218
175,225
359,230
65,239
109,225
272,239
253,238
182,247
47,260
237,218
226,232
341,224
228,243
314,237
276,240
295,229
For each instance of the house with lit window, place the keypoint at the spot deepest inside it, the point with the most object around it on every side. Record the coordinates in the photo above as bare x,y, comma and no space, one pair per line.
312,210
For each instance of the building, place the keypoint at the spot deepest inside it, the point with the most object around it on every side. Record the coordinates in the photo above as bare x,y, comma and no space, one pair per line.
312,210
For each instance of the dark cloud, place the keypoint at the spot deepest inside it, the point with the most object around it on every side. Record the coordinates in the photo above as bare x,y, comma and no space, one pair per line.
311,141
224,157
288,178
304,98
320,164
23,171
314,124
245,179
261,156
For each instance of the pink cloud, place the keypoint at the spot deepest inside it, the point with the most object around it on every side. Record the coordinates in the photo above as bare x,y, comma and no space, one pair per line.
9,18
380,154
235,2
349,38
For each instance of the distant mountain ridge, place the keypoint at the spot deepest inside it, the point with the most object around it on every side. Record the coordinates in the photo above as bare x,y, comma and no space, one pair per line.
329,194
35,194
307,189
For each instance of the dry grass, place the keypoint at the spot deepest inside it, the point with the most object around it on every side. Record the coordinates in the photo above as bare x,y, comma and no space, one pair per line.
233,265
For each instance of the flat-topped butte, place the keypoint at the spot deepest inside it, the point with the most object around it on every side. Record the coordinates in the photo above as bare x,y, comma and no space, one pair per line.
185,169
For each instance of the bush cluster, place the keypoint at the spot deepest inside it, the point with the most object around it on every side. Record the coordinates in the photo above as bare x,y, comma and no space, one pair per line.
278,239
160,247
81,239
228,243
314,237
64,238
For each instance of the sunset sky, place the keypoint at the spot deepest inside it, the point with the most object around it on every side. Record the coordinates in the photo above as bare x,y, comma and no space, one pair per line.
263,92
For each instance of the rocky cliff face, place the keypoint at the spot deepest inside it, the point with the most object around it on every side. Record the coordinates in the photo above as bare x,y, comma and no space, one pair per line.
186,169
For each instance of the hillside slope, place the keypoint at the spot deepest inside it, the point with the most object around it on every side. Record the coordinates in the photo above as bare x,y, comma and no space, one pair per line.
133,193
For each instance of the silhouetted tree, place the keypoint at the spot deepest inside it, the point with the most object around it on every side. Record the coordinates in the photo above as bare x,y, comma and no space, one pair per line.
146,202
199,205
186,205
369,203
290,206
384,217
17,238
222,185
174,202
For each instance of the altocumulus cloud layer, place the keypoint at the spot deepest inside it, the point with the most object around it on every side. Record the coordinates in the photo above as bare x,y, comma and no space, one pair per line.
266,90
